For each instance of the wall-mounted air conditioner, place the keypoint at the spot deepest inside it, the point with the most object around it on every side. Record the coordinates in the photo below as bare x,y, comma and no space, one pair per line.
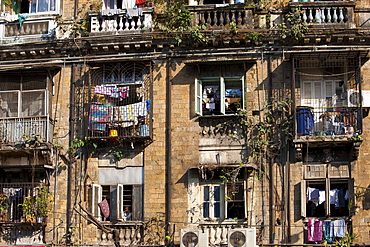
194,238
353,98
242,237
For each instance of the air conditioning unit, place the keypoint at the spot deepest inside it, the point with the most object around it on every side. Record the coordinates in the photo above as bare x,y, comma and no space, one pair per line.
194,238
353,98
242,237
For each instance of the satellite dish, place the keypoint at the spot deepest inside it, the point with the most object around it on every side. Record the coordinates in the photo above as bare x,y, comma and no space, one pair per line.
190,239
237,238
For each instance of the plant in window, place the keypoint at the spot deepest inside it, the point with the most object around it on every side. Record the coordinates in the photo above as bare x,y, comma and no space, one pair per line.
38,205
96,6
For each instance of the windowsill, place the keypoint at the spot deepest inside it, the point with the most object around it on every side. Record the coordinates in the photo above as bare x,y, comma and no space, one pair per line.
219,116
121,223
33,16
220,221
346,218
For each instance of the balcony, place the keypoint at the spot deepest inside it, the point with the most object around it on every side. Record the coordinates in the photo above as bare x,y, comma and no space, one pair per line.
129,233
218,16
34,27
22,130
120,21
327,14
12,195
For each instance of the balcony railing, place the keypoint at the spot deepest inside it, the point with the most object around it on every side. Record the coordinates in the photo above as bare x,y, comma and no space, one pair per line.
219,16
13,195
20,130
326,13
128,234
121,20
327,121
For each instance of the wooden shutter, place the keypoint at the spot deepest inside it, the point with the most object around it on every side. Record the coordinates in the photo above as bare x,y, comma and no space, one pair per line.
222,95
96,192
303,198
198,97
137,202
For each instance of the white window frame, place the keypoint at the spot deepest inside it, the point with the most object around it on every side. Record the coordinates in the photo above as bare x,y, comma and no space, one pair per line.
310,87
222,85
243,183
212,201
116,201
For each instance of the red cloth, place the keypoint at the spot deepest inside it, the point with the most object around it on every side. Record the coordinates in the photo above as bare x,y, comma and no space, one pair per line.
140,3
104,207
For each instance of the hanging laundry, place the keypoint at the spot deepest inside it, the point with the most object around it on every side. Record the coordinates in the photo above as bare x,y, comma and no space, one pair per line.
104,207
98,115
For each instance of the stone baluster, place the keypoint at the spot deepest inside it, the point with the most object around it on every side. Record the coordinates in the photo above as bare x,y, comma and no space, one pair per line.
121,235
222,19
214,18
335,16
120,23
218,232
224,235
209,20
233,16
245,17
132,24
133,235
341,16
104,237
328,17
138,24
227,19
127,235
211,236
127,25
201,18
115,23
319,16
138,235
305,15
239,20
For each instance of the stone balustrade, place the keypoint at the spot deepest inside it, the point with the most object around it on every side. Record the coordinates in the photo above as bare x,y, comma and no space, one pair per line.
129,234
219,16
118,21
327,13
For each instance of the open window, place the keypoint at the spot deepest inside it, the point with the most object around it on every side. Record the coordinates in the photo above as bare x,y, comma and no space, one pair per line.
34,6
24,95
122,202
326,191
219,95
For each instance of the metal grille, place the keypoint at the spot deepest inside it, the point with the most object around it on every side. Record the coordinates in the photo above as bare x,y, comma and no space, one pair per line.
120,101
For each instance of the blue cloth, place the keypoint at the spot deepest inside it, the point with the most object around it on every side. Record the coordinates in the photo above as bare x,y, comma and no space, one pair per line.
22,18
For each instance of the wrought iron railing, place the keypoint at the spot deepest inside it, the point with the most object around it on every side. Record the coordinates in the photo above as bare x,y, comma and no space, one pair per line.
316,121
21,130
12,195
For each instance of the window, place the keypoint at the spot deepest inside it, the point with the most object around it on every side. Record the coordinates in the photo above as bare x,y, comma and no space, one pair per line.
215,205
328,93
123,202
35,6
24,95
222,95
326,190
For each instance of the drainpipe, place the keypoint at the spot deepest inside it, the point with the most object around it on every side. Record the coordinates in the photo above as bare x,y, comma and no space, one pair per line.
168,147
271,165
70,163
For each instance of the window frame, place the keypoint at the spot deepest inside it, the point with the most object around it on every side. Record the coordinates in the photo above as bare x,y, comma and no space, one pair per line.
212,201
222,82
327,179
116,192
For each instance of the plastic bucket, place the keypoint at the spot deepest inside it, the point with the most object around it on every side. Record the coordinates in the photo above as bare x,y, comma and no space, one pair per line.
305,122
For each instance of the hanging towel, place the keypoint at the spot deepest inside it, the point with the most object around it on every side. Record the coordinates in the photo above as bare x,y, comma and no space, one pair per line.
310,230
104,207
22,18
317,234
340,230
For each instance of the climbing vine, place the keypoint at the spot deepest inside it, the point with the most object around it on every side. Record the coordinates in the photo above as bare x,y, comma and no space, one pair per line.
293,27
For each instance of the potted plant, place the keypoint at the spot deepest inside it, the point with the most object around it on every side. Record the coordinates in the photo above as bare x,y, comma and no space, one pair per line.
36,208
96,6
4,206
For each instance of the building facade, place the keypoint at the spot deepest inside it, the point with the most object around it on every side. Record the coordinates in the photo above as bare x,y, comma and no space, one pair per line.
194,124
